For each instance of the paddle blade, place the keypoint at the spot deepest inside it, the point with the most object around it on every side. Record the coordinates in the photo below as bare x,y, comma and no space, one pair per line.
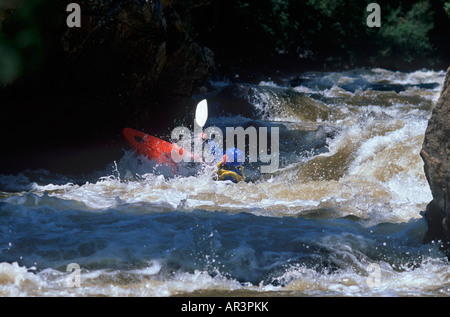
201,113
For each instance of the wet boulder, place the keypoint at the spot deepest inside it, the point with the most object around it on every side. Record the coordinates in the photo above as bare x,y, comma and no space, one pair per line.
237,99
269,103
436,156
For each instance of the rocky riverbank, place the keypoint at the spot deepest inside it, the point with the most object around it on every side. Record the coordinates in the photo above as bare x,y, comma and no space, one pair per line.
436,156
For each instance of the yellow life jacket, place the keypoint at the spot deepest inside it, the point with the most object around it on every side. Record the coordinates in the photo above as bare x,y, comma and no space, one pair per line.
225,172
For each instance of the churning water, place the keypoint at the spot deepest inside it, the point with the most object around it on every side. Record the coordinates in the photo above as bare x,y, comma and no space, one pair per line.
341,215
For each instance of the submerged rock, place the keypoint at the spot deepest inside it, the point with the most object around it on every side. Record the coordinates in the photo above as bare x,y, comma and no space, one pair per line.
436,156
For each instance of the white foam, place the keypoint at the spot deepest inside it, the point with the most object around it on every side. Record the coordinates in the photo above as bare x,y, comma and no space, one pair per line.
17,281
401,78
382,136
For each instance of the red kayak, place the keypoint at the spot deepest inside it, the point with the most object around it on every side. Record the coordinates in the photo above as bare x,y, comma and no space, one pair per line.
150,146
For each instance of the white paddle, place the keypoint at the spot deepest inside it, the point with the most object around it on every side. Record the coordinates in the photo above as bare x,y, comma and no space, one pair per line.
201,113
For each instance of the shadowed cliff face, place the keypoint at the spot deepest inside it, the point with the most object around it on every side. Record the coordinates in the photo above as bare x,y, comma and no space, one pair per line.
436,156
131,63
141,46
136,47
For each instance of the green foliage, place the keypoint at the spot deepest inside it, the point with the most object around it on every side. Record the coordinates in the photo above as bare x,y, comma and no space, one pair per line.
271,20
280,23
23,27
251,29
324,29
406,34
327,8
447,8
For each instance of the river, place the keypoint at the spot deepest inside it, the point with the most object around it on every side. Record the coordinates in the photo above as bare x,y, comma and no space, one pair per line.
341,216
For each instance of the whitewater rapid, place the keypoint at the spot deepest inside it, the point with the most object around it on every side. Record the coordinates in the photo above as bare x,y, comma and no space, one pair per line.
345,202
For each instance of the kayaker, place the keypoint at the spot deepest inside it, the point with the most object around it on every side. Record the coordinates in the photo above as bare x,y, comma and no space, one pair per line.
230,167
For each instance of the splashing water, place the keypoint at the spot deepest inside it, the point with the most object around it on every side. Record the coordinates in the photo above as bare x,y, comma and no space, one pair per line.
344,205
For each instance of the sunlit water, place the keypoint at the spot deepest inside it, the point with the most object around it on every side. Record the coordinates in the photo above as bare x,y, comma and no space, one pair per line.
341,215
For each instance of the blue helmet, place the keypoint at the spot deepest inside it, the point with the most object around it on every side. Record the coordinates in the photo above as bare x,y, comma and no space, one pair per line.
235,157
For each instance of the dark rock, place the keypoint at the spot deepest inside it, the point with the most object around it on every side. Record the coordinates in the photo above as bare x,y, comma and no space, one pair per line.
137,47
237,99
131,63
186,70
436,156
